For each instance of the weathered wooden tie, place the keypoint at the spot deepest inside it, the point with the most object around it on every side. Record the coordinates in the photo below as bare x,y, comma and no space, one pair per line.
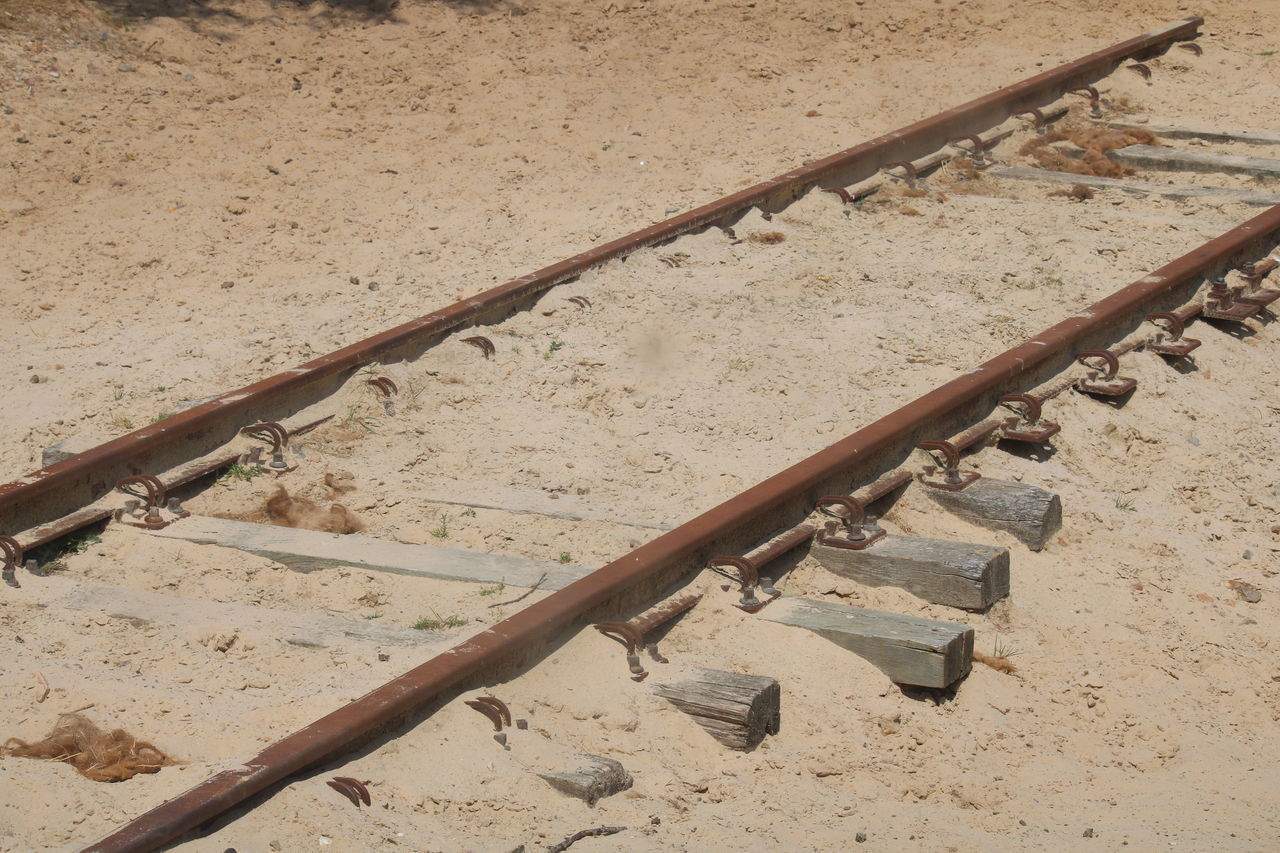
738,710
1138,188
957,574
1177,159
1171,131
311,550
139,607
1030,513
908,649
590,778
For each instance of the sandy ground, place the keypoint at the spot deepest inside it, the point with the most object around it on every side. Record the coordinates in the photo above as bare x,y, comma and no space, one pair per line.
268,183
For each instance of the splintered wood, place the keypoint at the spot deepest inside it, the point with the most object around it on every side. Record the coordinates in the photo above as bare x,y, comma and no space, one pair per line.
737,710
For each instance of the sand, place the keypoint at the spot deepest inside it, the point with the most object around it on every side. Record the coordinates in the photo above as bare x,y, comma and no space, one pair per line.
452,147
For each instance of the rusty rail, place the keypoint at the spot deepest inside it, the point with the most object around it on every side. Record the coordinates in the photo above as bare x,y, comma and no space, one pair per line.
72,483
535,625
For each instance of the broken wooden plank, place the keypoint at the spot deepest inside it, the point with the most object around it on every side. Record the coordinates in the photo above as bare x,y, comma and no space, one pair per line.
312,550
908,649
590,778
1179,160
298,629
1030,513
1172,131
1138,188
738,710
957,574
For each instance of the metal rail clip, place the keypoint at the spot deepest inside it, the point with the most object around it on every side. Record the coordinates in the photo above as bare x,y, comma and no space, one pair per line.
1104,384
149,498
1028,425
387,388
749,578
1170,341
1224,303
12,559
278,437
850,529
952,479
631,633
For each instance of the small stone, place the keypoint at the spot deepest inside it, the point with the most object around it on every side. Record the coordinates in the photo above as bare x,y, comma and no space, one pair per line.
1247,592
355,279
1248,555
1088,833
384,657
861,838
22,140
227,285
75,179
35,379
501,738
1193,441
188,76
373,285
125,67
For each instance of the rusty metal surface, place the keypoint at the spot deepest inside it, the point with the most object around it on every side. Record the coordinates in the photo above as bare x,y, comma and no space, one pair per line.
210,419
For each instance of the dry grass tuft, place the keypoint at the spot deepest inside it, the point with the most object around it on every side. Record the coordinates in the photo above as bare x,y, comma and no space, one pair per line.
101,756
999,663
1077,192
909,211
769,238
1096,142
287,510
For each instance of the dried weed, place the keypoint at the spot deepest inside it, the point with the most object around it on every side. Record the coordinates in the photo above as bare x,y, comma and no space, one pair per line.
1096,142
1077,192
101,756
287,510
999,663
768,238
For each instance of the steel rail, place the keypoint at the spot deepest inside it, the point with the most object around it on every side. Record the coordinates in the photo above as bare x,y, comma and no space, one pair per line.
84,477
536,624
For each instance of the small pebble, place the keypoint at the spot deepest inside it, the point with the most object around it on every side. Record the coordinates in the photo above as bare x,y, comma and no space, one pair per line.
355,279
373,285
22,140
124,66
1193,441
861,838
75,179
1088,833
227,285
35,379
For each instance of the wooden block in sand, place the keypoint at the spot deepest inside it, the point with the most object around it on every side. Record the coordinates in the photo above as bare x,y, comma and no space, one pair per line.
311,550
589,778
1177,159
1028,512
908,649
957,574
738,710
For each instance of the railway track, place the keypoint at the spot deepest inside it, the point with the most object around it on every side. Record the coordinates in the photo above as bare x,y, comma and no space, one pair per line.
411,414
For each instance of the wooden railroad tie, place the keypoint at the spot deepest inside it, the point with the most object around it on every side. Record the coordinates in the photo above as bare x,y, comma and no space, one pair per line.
738,710
957,574
1030,513
910,650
